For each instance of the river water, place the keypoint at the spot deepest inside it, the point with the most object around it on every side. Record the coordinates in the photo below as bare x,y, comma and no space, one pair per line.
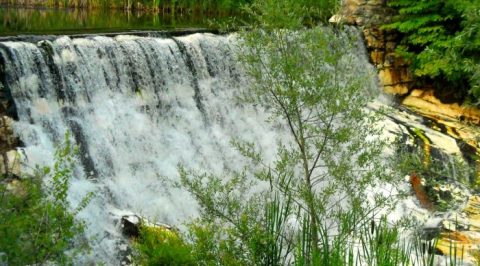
17,21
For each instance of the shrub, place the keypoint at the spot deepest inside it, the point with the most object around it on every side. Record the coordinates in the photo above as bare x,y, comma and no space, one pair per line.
159,246
38,225
441,39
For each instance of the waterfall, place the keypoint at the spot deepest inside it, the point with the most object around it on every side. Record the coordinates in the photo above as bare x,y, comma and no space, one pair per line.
137,107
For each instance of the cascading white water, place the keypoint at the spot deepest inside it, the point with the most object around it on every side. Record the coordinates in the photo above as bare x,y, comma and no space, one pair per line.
137,107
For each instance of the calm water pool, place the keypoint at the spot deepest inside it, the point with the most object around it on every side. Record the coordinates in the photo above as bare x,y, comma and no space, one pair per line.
15,21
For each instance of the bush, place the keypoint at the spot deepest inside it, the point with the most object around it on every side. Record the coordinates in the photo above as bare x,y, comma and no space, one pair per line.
159,246
37,223
441,39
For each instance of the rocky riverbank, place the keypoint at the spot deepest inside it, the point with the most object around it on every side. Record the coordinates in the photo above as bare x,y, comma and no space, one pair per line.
460,228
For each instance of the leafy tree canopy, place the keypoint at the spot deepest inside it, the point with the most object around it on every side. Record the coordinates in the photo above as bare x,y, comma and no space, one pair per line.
441,39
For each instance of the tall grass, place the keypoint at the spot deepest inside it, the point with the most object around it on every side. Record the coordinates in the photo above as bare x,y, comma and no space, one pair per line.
273,242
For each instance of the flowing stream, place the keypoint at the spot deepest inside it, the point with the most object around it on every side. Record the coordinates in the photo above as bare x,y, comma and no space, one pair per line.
137,107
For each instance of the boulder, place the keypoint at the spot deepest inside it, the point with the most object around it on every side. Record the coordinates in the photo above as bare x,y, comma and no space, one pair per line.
131,224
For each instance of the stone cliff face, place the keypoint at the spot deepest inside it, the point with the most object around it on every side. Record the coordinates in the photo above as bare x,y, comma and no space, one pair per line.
395,77
370,15
9,157
393,71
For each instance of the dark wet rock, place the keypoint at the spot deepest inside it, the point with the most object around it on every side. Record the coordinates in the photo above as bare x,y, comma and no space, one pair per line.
131,224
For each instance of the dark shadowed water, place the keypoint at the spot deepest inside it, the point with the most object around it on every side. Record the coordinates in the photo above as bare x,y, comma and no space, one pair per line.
18,21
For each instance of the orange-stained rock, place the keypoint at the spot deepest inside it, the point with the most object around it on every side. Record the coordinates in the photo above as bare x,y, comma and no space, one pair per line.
416,183
456,237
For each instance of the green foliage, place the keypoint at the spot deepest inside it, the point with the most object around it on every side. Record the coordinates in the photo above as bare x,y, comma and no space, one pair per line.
381,245
37,223
304,207
159,246
270,14
441,39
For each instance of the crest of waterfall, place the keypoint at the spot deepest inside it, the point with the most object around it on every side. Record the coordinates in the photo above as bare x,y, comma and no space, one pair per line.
137,107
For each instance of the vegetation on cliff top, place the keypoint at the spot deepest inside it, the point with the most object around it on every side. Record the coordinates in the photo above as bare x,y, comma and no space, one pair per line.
441,39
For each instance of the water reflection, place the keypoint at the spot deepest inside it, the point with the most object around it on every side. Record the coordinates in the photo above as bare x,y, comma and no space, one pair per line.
67,21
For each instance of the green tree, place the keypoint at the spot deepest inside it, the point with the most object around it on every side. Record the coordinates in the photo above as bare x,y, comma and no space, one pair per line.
37,224
314,196
441,39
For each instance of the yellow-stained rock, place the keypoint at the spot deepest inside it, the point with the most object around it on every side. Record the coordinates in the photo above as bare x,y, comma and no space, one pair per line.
473,212
425,102
399,89
377,57
394,76
389,77
447,246
464,243
7,137
10,163
386,78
